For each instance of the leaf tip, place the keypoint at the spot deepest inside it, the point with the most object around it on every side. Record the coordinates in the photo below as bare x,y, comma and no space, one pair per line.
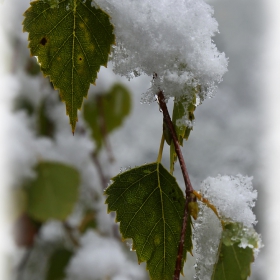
73,126
73,123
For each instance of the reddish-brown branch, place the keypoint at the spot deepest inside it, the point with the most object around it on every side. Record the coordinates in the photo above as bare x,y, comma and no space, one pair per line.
166,116
189,188
178,266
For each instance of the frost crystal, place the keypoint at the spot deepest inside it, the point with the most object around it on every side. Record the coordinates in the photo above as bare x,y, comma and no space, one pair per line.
171,38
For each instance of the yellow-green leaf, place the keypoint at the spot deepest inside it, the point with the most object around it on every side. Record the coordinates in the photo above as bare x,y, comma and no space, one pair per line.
54,192
150,206
71,41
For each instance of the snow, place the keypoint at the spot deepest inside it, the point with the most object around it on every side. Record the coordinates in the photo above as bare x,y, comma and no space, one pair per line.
101,257
170,38
52,232
207,235
233,196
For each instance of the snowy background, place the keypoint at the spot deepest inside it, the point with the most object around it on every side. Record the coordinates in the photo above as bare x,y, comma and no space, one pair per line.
237,131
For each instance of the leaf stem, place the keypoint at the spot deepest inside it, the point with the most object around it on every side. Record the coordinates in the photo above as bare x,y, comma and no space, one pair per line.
70,232
160,148
189,188
104,180
207,203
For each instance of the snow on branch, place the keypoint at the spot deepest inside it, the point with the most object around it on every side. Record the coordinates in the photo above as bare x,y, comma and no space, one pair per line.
172,38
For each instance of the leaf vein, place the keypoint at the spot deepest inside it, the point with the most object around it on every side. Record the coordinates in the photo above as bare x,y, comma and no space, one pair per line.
130,187
149,236
60,48
64,69
139,210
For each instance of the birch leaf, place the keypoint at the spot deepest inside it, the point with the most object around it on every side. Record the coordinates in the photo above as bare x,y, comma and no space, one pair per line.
71,41
149,206
54,192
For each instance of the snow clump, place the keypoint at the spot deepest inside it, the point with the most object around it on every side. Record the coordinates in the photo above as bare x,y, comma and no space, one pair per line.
233,196
172,38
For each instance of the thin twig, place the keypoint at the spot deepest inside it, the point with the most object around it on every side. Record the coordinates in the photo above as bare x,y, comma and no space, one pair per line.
207,203
69,230
104,180
189,188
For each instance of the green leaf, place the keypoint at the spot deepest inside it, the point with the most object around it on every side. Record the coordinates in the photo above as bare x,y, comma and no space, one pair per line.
57,264
183,109
71,42
106,112
54,192
235,257
150,206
